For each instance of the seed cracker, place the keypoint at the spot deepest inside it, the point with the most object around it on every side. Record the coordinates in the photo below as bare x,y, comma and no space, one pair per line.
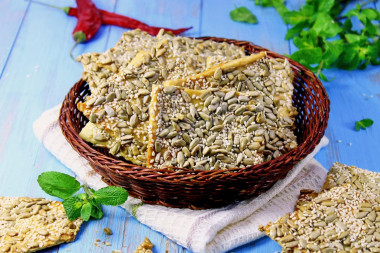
217,127
343,217
31,224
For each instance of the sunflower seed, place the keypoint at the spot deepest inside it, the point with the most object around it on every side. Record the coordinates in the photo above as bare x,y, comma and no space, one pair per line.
312,247
208,100
217,128
240,110
164,133
172,134
217,73
361,215
133,120
180,158
111,96
205,95
109,110
100,100
204,116
194,143
170,90
178,143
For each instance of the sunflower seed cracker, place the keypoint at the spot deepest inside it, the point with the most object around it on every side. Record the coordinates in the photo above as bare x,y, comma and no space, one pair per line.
46,224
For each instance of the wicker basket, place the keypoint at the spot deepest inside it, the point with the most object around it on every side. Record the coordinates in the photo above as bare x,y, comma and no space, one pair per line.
205,189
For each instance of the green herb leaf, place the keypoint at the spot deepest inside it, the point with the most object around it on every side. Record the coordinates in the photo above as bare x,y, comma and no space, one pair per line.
294,17
325,26
324,78
86,211
307,56
96,211
58,184
325,36
363,124
295,30
73,206
111,195
325,5
332,51
242,14
264,3
371,14
349,59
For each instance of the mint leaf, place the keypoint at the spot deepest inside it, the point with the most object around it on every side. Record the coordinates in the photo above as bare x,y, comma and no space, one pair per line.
295,30
242,14
324,78
325,26
294,17
58,184
371,14
332,51
349,59
73,206
264,3
307,56
111,195
325,5
363,124
85,212
354,38
96,211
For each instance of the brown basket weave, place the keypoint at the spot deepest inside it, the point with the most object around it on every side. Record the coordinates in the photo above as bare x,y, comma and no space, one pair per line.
205,189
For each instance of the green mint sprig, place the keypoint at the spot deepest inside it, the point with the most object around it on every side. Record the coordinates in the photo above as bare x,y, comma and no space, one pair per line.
242,14
84,205
324,34
363,124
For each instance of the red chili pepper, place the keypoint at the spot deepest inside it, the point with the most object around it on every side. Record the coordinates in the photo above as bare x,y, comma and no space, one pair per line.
110,18
89,22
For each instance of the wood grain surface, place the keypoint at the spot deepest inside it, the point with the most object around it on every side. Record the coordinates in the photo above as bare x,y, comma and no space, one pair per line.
36,72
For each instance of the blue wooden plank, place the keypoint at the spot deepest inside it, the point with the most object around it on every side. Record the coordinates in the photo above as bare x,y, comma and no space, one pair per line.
12,14
269,32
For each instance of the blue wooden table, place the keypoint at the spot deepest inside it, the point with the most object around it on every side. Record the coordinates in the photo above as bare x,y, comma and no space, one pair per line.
36,72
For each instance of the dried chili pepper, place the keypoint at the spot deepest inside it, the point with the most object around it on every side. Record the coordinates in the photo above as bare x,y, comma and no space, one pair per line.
110,18
89,22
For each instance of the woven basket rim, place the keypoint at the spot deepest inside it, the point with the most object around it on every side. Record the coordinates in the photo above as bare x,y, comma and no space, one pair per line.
197,176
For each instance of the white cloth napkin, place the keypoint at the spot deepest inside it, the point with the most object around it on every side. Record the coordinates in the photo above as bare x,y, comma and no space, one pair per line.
212,230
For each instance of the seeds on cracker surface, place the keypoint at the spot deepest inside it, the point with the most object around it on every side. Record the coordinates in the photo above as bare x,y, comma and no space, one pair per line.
120,99
145,247
129,77
45,225
345,224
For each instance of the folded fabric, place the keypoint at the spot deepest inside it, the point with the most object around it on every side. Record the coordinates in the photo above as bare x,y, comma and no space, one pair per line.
211,230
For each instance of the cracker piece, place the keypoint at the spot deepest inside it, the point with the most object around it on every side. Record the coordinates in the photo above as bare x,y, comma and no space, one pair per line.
32,224
364,180
344,217
145,247
209,129
258,73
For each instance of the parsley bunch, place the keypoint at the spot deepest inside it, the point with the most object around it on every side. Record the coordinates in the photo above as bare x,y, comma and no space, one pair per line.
84,205
324,34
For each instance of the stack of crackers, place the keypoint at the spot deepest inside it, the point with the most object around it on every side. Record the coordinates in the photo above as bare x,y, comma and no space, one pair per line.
168,101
